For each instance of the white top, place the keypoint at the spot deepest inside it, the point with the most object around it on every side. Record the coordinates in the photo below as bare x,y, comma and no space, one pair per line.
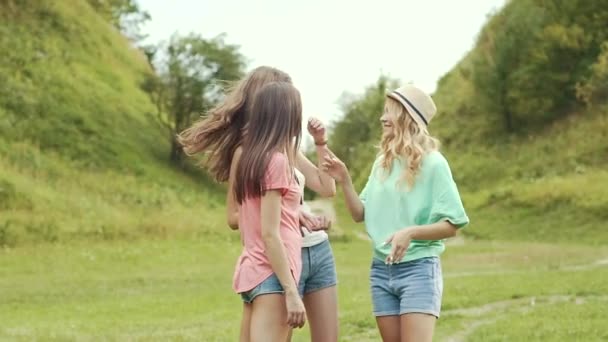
309,238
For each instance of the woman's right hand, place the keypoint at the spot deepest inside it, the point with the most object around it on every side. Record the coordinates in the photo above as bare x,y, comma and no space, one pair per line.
296,314
335,168
314,223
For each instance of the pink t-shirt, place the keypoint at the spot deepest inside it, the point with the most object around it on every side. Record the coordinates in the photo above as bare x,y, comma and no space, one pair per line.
253,266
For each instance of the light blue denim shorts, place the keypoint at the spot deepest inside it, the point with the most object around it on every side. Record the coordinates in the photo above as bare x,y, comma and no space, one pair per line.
318,272
318,268
409,287
268,286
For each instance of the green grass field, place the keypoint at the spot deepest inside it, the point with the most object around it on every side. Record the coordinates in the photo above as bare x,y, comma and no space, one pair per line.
102,239
177,289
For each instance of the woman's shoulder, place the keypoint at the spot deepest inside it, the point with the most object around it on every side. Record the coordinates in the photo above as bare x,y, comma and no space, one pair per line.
434,160
277,162
377,161
278,157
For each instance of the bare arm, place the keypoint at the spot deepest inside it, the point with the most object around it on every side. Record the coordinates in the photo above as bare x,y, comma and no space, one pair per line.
353,202
336,168
400,241
435,231
317,180
271,219
232,209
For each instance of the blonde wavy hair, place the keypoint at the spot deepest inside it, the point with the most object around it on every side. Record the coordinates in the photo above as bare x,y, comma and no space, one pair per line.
409,142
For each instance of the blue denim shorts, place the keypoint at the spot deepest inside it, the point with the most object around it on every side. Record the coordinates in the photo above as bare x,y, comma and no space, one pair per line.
318,268
318,272
409,287
268,286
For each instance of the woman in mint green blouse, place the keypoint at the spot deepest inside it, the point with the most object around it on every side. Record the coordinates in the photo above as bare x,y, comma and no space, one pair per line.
410,204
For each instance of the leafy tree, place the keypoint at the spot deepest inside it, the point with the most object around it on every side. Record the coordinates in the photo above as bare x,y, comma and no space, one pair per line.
354,138
504,46
189,71
125,15
533,53
594,89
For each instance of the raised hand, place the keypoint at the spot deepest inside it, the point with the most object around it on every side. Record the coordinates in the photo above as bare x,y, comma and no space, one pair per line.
335,168
317,130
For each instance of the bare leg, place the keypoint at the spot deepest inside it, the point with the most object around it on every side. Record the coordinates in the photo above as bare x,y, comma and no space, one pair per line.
322,313
417,327
245,322
389,327
269,319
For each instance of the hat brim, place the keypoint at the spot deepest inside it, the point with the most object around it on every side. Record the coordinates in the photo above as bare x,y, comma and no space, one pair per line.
411,111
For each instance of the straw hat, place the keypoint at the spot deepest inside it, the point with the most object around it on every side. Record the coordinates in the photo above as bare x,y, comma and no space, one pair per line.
418,104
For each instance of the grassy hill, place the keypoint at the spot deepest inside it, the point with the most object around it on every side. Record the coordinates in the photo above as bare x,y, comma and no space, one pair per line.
80,156
544,179
543,184
82,162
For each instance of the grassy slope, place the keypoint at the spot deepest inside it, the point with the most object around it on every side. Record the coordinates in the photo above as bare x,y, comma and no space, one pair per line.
79,160
171,290
544,185
79,154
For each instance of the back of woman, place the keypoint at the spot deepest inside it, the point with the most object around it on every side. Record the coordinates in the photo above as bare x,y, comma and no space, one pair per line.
253,265
268,193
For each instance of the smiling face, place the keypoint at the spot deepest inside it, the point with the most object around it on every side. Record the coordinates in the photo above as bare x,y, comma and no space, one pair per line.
403,138
389,119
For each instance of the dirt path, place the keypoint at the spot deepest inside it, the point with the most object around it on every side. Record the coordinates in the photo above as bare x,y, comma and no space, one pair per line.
492,312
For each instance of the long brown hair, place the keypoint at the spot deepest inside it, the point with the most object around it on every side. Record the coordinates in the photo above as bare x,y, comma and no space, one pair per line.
220,131
275,125
410,142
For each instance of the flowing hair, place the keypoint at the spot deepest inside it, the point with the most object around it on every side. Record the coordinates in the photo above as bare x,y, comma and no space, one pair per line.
409,142
275,125
220,131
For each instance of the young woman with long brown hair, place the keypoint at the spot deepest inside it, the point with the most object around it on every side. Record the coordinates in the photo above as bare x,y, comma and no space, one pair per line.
409,204
267,191
221,134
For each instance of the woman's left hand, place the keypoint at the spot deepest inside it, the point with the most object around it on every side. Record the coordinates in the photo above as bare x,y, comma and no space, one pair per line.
400,241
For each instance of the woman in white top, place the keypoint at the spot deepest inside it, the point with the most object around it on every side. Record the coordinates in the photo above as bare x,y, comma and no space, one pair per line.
318,279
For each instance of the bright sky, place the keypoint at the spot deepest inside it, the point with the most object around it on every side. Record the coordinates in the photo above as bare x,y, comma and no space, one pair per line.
334,46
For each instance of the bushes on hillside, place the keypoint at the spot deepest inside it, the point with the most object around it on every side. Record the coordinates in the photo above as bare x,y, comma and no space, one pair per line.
532,55
354,136
594,89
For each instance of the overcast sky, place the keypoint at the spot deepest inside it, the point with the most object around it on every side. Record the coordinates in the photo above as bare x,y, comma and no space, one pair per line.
333,46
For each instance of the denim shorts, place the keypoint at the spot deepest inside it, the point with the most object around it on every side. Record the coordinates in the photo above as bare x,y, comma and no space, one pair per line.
318,272
409,287
318,268
268,286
